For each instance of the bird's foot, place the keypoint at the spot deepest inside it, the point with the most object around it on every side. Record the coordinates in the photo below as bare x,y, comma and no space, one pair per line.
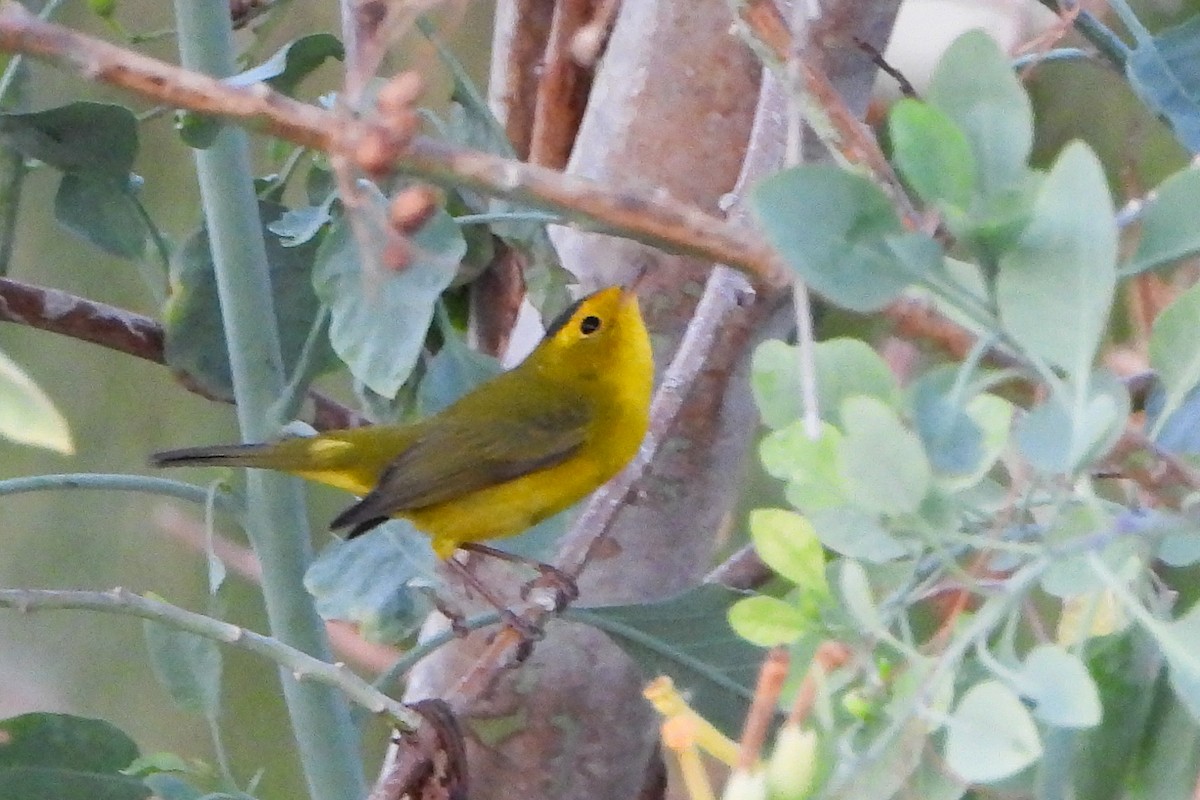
561,586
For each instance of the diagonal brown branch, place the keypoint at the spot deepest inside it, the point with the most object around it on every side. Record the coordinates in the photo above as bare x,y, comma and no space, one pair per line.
121,330
655,220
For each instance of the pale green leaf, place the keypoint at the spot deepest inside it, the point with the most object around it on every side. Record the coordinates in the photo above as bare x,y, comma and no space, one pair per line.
990,735
27,415
378,323
188,666
1058,683
786,542
808,465
856,533
1055,289
768,621
882,462
1175,350
831,226
975,86
932,153
1169,230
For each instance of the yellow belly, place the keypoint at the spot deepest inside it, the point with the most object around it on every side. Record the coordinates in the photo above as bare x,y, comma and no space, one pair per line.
505,509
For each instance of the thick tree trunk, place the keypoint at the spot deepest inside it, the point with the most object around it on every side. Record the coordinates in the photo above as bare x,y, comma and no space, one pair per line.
672,107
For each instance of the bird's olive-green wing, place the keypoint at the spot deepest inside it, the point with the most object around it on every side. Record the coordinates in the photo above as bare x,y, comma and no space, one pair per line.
459,456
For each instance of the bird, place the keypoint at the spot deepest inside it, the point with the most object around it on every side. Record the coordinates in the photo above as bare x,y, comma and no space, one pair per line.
517,449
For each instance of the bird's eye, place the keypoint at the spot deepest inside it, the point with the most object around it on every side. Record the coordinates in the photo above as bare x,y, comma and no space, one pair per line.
589,324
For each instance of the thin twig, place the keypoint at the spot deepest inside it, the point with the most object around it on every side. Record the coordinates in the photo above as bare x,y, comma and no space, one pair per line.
771,675
645,216
839,129
300,664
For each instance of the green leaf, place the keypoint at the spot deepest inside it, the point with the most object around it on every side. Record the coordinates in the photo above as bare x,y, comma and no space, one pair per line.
688,638
1126,669
454,371
951,438
856,592
197,131
844,368
194,334
1058,683
171,787
1065,434
1055,290
295,226
78,137
157,762
1180,548
850,368
188,666
379,322
975,87
292,63
882,462
990,735
27,415
1169,232
932,153
1179,642
768,621
786,543
856,533
993,417
809,466
101,209
1175,351
62,757
1162,70
831,227
366,581
775,382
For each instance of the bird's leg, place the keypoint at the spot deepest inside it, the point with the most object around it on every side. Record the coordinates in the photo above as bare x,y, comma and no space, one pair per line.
562,584
528,632
447,609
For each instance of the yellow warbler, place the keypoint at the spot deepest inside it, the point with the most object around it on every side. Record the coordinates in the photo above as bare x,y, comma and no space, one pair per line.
519,448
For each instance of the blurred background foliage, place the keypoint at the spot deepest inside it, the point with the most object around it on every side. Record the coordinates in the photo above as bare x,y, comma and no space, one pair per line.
120,408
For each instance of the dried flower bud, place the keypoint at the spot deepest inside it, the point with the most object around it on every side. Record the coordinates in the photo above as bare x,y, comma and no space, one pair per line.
412,208
376,152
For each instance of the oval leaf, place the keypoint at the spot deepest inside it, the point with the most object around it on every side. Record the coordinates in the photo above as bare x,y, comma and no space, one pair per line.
975,86
188,666
881,461
27,415
787,544
1058,683
1055,289
1169,232
829,225
378,324
932,153
990,735
768,621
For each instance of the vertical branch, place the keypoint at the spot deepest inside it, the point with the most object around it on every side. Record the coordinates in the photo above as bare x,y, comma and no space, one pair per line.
275,520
